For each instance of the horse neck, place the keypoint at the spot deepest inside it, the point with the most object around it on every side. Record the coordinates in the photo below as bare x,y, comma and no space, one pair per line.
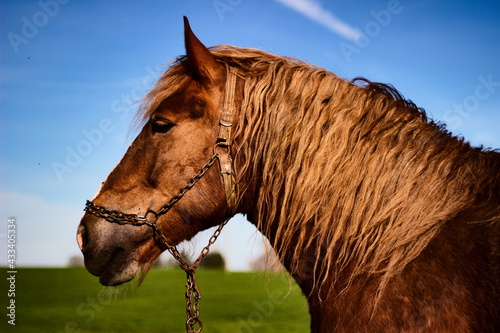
379,188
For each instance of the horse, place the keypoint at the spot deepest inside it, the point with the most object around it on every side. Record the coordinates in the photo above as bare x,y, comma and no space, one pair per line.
386,221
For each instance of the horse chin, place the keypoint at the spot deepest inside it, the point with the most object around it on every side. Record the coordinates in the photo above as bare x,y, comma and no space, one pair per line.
114,276
120,272
113,268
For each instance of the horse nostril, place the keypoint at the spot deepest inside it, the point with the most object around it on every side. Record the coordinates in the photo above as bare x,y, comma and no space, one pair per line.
81,237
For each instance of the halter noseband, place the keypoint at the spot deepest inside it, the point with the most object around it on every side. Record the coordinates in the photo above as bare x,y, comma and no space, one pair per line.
222,151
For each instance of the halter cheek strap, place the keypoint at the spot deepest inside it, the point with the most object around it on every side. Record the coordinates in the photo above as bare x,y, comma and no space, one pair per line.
223,145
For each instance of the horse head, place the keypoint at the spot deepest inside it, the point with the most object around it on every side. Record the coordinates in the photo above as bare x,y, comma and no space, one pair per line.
182,133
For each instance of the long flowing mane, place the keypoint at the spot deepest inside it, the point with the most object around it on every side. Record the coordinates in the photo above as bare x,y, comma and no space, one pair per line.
348,170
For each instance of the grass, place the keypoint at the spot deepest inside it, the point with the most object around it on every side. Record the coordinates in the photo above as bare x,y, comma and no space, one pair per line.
71,300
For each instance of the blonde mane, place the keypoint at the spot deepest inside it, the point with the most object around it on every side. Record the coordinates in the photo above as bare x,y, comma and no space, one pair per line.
355,176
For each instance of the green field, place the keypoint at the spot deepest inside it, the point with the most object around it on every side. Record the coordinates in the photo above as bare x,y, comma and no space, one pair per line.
71,300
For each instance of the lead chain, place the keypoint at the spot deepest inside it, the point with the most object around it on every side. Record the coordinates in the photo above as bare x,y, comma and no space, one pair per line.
192,294
192,306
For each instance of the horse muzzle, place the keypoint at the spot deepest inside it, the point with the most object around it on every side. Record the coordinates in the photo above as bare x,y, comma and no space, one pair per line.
111,254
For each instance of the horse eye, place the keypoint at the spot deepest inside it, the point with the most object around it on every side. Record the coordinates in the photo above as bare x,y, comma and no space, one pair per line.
161,126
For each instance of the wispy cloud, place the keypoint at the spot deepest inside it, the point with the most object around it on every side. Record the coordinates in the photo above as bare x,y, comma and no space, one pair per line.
313,10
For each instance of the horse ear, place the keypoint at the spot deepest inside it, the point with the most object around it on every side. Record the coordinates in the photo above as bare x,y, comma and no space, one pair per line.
200,60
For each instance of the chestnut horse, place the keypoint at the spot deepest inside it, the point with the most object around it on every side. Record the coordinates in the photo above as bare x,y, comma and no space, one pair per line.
387,222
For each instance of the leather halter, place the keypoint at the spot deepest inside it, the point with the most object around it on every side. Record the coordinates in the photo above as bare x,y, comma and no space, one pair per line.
222,152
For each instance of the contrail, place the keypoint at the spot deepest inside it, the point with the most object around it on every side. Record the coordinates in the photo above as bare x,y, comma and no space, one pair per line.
313,10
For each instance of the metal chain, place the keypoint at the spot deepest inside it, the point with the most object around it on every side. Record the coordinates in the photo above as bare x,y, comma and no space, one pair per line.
118,217
192,306
192,294
165,208
115,216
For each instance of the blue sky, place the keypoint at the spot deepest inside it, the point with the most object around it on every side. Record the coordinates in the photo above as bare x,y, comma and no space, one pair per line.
71,74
